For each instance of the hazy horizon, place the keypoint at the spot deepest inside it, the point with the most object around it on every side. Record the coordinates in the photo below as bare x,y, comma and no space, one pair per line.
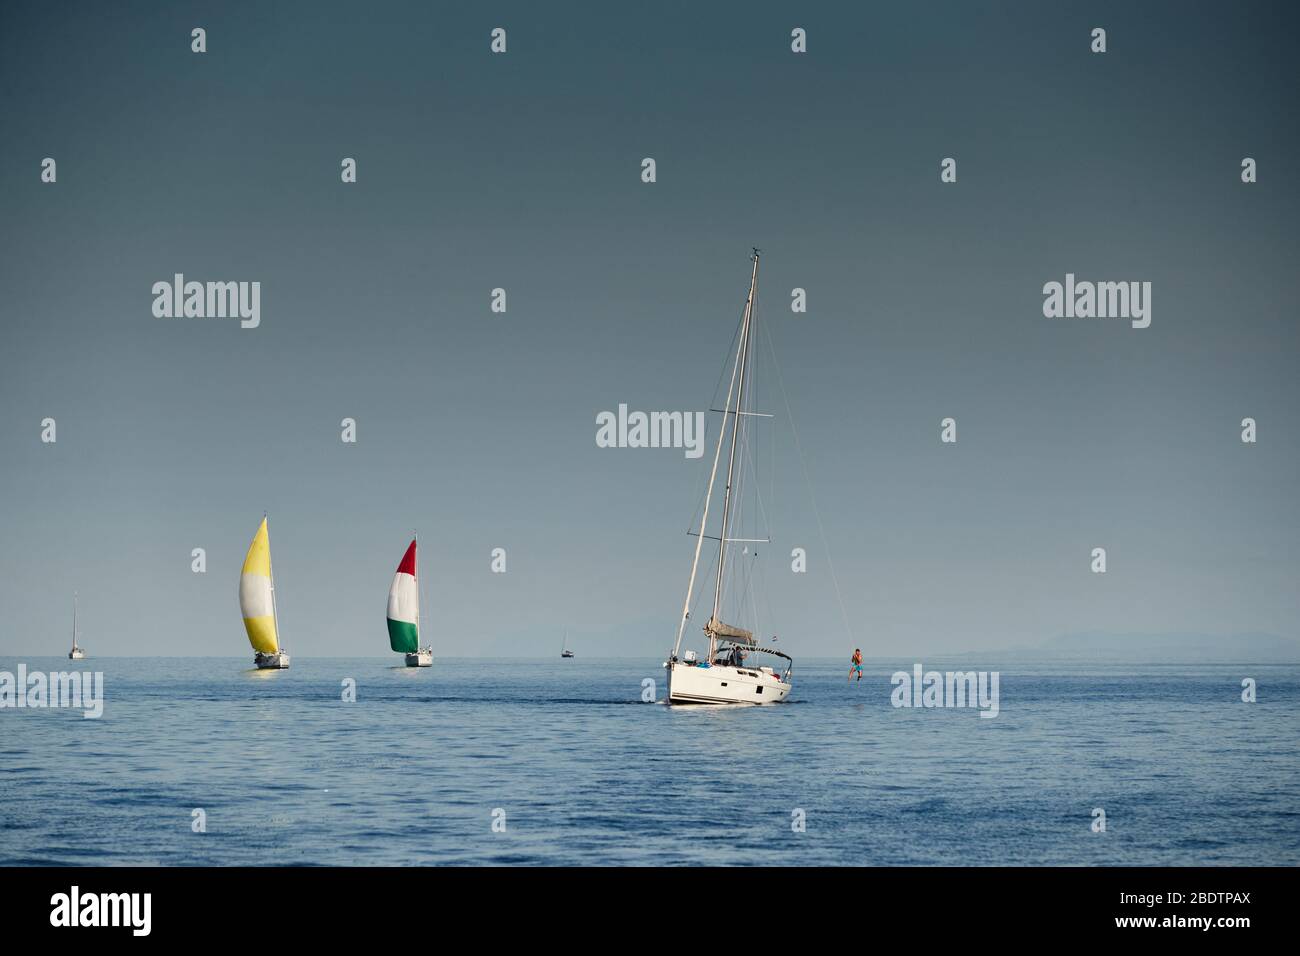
1273,649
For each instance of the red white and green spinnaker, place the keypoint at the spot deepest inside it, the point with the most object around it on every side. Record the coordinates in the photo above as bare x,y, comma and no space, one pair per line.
404,606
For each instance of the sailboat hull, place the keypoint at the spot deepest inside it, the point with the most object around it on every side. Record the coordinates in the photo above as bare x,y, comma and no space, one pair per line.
266,662
723,684
76,654
421,658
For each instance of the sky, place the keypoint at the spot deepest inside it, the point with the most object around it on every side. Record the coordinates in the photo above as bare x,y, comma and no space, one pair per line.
523,171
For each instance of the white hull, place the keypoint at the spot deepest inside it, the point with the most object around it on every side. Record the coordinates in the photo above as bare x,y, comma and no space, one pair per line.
421,658
76,654
723,684
277,661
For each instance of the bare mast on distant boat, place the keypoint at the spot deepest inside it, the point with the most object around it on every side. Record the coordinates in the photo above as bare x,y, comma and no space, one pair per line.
77,653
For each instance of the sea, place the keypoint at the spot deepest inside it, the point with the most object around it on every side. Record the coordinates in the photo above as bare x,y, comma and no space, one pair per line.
209,762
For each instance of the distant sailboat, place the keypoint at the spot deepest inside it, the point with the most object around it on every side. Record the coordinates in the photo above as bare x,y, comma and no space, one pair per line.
404,612
564,648
77,653
726,675
257,603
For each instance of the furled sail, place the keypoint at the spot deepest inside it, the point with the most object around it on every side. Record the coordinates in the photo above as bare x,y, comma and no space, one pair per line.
256,601
404,606
729,632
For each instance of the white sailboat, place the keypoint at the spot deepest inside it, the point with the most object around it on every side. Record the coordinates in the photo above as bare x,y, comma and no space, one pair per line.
404,612
257,603
730,672
77,653
564,647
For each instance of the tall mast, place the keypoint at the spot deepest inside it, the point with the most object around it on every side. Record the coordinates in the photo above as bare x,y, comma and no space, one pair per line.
74,620
713,475
415,566
731,457
270,566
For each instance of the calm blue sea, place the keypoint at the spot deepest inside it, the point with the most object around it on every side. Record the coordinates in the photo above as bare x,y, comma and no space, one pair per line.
412,772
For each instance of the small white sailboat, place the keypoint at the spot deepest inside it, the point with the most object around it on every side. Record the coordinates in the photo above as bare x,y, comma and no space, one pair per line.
423,657
564,648
257,603
77,653
728,674
404,612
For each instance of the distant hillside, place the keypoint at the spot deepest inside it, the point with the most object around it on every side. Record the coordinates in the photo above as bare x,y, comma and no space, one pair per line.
1176,647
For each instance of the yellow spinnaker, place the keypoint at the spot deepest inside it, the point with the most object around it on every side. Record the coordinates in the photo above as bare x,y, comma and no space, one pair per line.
255,599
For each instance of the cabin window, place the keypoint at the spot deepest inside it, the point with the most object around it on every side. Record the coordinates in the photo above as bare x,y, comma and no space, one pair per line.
758,689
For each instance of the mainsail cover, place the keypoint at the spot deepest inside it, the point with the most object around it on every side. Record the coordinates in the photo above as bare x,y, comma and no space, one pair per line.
255,600
404,607
729,632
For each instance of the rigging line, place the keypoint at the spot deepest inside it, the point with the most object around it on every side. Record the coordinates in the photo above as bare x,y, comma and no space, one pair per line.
696,606
758,491
772,439
753,581
733,596
745,477
749,593
746,346
722,372
700,489
803,462
741,571
767,603
722,536
758,583
756,312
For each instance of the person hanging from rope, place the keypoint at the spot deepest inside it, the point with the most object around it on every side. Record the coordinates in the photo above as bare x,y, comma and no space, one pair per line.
856,661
